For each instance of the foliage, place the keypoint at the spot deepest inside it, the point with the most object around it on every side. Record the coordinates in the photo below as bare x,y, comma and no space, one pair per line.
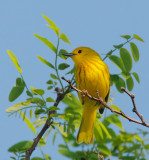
108,142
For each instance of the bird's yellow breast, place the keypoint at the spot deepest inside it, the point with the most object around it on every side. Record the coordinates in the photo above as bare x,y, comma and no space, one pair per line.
93,75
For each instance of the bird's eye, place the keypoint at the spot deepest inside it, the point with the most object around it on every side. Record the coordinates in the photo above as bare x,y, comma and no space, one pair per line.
79,51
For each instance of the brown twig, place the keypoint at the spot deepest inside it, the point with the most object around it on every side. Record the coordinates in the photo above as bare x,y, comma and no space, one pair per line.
48,123
99,156
99,100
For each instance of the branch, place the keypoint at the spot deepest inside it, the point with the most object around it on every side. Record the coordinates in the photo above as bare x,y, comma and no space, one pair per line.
99,156
99,100
48,123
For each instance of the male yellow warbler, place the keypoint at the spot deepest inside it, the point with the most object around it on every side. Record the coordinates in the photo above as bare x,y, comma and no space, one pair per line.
91,74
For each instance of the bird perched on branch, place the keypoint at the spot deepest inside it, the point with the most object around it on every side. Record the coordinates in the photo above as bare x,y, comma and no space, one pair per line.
91,75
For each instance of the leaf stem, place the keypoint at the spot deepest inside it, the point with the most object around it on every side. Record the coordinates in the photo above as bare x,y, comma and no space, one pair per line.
56,66
110,52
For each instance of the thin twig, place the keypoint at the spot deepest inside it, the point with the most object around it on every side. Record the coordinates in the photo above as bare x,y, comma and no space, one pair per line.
100,157
99,100
48,123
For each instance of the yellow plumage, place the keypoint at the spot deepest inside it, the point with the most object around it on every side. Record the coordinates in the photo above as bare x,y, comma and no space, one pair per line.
91,74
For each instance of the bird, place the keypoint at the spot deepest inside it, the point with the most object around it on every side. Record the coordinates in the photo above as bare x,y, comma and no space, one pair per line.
91,75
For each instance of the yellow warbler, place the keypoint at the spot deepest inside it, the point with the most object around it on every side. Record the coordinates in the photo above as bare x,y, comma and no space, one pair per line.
91,74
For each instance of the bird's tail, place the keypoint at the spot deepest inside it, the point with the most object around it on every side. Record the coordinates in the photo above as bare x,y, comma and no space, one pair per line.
86,130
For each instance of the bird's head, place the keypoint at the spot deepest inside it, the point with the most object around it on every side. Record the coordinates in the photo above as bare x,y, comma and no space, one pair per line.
82,54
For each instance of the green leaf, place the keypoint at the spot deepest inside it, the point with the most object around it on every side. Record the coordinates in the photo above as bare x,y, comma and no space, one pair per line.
20,82
120,83
39,111
47,42
67,153
14,60
50,87
126,36
64,38
114,78
130,83
39,91
128,157
29,124
135,51
54,137
138,38
21,146
117,61
29,93
46,62
50,82
53,76
115,107
63,66
104,149
53,108
126,59
36,91
55,29
104,129
49,21
15,92
31,113
136,77
118,46
37,100
125,75
61,52
37,158
49,99
98,132
115,120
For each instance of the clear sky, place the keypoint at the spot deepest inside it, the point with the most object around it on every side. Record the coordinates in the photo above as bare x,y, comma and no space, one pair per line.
97,24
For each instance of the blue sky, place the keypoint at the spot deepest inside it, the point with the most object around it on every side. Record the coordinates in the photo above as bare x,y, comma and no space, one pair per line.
97,24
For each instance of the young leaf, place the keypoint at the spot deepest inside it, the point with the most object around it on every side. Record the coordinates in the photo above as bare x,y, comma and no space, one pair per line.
49,99
54,137
118,46
39,111
39,91
15,92
47,42
64,38
49,21
115,107
138,38
130,83
53,108
37,100
135,51
115,120
126,59
55,29
14,60
53,76
117,61
50,87
50,82
61,52
126,36
136,77
37,158
63,66
21,146
104,149
45,62
27,121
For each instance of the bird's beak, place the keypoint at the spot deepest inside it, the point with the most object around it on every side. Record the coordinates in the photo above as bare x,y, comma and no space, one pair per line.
69,54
